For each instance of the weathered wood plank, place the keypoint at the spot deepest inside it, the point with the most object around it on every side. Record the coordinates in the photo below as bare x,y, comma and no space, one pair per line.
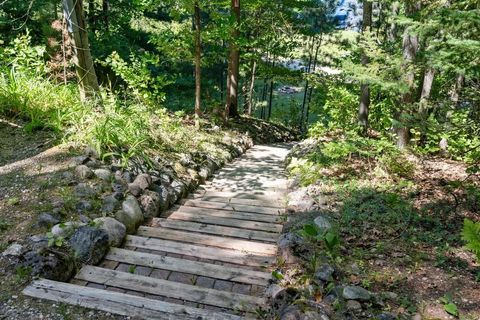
247,194
232,206
224,255
215,230
227,214
169,289
248,202
118,303
209,240
187,266
231,221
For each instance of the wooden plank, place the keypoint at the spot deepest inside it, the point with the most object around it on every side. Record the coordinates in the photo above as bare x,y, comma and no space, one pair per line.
267,191
224,255
249,194
232,206
187,266
228,221
118,303
208,240
248,202
227,214
215,230
171,289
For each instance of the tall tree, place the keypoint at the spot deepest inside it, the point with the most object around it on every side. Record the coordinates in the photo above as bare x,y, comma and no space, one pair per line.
364,105
198,59
233,74
87,78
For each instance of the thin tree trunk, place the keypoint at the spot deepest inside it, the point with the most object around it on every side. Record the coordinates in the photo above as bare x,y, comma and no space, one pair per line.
105,10
425,111
305,94
392,32
364,105
252,87
231,106
198,57
455,93
270,100
87,77
311,88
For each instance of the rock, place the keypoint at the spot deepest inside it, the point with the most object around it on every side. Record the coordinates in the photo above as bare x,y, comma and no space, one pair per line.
53,265
119,187
118,195
91,152
291,313
127,177
150,204
353,305
172,196
179,187
66,229
83,218
143,180
287,243
14,250
386,316
103,174
186,160
390,295
313,315
83,206
115,230
38,242
92,164
83,190
89,244
204,173
356,293
272,291
323,223
80,160
325,272
110,204
134,189
46,220
131,214
163,195
300,201
83,172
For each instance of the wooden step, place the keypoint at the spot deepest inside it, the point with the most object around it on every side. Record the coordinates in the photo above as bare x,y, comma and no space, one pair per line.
227,214
231,206
118,303
267,191
249,194
248,202
176,290
209,240
203,252
229,221
191,267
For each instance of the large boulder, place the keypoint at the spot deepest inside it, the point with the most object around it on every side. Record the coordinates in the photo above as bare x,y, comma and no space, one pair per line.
143,180
66,229
89,244
163,195
300,201
356,293
115,230
131,214
53,265
150,203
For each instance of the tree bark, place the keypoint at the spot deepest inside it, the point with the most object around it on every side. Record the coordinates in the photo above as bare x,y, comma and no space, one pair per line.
198,60
455,93
84,67
252,87
392,32
364,105
105,9
231,106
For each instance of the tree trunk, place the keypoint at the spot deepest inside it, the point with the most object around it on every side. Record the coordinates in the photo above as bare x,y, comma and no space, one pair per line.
87,77
410,48
392,32
305,94
198,61
364,104
231,106
455,93
270,100
252,87
425,111
307,115
105,9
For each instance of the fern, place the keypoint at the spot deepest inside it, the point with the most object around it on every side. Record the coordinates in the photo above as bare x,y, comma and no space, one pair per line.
471,234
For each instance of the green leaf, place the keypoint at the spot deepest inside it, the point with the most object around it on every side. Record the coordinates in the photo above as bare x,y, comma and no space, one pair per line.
310,230
451,308
277,275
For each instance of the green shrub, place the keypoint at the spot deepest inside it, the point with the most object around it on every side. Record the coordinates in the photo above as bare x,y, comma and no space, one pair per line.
471,235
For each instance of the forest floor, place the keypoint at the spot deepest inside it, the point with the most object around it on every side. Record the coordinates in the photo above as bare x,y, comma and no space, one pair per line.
400,235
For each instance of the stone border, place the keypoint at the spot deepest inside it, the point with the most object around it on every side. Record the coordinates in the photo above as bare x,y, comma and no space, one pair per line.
129,197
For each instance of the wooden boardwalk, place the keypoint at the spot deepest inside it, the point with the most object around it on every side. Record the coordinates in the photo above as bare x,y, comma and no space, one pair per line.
207,258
